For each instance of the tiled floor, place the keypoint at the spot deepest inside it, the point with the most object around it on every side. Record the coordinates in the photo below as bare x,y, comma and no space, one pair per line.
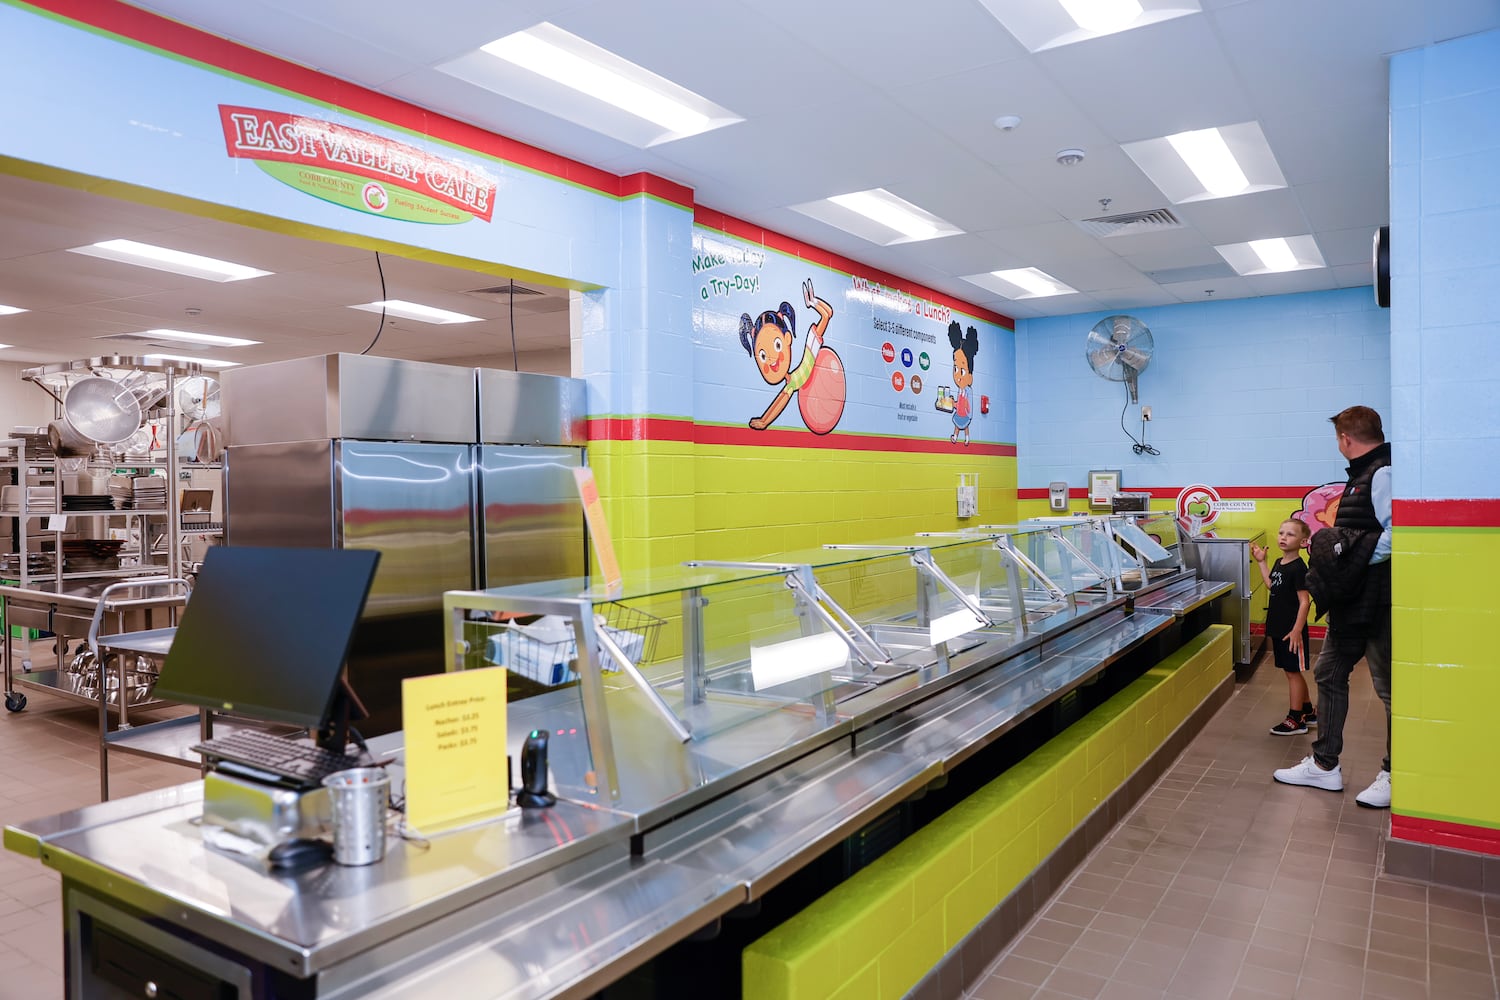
1220,884
51,763
1223,884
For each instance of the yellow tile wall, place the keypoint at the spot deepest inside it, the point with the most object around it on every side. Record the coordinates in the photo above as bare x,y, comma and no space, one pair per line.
876,935
1445,685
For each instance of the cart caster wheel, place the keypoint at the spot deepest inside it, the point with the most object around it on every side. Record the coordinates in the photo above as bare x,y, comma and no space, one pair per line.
15,701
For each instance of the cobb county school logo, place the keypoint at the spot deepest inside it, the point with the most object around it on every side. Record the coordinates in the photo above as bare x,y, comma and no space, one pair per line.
356,169
1203,503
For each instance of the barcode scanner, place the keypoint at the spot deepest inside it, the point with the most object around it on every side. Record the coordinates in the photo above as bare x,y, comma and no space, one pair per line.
533,793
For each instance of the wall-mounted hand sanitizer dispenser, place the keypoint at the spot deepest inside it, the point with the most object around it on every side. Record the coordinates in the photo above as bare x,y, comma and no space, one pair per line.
1057,497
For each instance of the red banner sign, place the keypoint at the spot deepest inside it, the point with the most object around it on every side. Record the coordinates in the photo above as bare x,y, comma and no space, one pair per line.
278,137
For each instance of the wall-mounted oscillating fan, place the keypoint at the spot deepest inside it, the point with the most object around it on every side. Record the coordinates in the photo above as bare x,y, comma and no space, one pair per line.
1119,349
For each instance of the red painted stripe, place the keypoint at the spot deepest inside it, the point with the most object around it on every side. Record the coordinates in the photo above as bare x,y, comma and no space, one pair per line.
755,234
1170,492
774,438
639,429
657,187
1440,833
679,429
1457,513
180,39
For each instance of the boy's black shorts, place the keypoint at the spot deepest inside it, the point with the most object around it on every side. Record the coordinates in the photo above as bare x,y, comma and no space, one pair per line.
1288,660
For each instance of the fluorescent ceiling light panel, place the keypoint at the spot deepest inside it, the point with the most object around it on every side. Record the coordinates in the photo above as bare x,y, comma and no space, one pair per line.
1044,24
1273,256
165,259
204,362
1102,16
4,346
417,311
1034,283
6,310
1203,164
879,216
557,72
1210,160
186,337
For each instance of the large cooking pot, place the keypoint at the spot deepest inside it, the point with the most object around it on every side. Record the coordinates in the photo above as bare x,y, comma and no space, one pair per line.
67,442
102,409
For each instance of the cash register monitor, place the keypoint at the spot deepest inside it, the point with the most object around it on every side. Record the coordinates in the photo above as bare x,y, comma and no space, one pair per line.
265,635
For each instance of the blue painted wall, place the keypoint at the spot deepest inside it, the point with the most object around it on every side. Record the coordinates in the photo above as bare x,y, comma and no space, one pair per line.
1240,392
1445,256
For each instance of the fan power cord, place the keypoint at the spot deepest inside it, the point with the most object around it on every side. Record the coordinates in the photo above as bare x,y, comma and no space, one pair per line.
1140,447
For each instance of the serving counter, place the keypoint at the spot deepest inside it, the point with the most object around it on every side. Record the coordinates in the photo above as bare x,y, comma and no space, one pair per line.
747,718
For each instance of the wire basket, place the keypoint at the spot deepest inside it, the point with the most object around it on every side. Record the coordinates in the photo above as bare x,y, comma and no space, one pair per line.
546,652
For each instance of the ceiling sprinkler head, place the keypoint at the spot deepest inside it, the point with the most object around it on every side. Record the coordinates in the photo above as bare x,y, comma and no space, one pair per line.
1070,157
193,311
1006,123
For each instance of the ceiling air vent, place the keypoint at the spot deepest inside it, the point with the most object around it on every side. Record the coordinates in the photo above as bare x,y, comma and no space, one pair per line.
1130,223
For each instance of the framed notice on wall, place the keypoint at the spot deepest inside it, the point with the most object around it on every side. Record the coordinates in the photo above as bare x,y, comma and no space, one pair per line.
1103,484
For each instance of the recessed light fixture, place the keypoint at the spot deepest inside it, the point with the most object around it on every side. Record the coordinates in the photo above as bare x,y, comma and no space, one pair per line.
1210,160
417,311
4,346
6,310
879,216
1102,16
187,337
1209,163
562,74
204,362
1021,283
1272,256
166,259
1040,25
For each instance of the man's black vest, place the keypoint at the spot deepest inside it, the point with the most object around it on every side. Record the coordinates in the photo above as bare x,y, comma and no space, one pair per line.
1357,510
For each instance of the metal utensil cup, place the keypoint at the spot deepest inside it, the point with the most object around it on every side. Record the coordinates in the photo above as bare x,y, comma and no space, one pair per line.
358,799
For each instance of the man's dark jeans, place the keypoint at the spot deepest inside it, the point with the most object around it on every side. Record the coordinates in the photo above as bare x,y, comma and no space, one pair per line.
1342,649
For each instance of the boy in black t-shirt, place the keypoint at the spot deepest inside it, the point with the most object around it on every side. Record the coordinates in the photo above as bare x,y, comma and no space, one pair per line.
1286,621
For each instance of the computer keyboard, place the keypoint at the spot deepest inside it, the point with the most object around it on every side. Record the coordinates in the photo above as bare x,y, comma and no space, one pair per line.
247,751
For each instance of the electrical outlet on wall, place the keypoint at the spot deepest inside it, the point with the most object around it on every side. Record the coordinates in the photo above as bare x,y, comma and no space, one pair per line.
1145,413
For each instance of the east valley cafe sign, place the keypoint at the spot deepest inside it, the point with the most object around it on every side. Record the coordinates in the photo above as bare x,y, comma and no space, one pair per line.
356,169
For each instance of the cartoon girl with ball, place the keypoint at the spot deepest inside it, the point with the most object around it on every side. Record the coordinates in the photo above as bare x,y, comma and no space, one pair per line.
965,346
818,380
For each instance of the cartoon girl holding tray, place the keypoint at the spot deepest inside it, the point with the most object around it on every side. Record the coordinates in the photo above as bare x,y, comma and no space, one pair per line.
818,379
965,346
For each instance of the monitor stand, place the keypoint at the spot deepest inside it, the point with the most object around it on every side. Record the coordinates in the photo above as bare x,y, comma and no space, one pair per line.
333,734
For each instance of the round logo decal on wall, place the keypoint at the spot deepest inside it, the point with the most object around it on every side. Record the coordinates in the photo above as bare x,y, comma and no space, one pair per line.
374,197
924,361
916,385
906,357
888,352
898,381
1198,501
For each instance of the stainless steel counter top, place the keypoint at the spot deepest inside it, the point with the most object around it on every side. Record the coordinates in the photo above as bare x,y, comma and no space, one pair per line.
553,902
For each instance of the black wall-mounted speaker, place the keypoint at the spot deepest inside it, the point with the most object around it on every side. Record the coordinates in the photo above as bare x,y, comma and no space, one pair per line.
1382,267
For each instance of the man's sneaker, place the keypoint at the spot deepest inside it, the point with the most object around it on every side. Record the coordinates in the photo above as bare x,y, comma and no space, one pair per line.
1309,717
1310,774
1290,726
1378,795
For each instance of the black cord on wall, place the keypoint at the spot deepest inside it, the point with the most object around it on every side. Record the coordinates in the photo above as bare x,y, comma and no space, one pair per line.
1139,447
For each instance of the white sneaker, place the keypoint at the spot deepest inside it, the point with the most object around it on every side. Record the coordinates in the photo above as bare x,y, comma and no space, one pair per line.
1378,795
1309,773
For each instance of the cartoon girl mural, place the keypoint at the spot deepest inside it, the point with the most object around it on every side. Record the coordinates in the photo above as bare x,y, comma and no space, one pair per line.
1320,507
818,380
965,346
